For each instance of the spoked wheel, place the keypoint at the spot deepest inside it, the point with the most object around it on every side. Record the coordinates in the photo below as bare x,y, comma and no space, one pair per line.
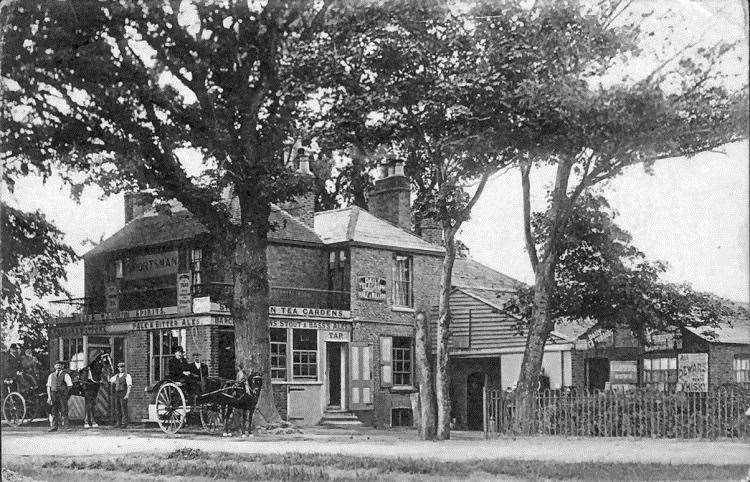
171,409
14,408
212,417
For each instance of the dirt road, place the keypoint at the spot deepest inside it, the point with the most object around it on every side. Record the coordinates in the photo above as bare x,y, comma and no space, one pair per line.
19,443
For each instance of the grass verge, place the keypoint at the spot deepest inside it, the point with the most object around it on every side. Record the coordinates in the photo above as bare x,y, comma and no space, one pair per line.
193,463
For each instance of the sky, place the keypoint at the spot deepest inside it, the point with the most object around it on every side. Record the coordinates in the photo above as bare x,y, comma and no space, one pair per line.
691,213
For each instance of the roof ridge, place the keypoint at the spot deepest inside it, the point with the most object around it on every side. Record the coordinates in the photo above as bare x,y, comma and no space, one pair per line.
352,226
336,210
298,221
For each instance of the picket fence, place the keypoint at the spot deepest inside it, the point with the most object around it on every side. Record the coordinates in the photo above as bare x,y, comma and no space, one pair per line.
633,413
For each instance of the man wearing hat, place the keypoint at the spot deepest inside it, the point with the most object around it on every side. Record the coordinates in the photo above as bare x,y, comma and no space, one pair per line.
122,383
199,371
59,384
13,363
178,366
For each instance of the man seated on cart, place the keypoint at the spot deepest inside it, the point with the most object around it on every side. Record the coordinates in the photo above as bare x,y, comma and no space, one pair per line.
180,371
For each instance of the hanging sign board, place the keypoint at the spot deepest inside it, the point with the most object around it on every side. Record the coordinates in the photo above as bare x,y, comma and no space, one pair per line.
371,288
623,372
692,372
150,265
184,294
112,296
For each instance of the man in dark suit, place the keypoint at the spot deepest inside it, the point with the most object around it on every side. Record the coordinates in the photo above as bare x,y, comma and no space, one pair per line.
178,367
199,371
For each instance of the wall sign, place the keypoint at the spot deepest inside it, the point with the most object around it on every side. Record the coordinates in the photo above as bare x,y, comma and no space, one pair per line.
298,312
623,372
331,326
184,294
141,325
112,297
150,265
371,288
664,341
202,304
692,372
123,315
336,336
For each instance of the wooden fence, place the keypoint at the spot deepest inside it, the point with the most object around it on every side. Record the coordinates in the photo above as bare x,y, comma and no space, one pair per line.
633,413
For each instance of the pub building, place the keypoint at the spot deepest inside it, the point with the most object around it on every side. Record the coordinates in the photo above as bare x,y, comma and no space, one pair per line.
344,286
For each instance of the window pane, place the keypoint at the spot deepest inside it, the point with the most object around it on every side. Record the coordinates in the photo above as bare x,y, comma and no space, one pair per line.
305,339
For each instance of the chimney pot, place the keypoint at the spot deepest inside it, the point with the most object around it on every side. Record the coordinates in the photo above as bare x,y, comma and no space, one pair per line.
391,170
399,169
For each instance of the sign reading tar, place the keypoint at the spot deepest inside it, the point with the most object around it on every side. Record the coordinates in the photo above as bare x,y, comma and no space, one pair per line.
371,288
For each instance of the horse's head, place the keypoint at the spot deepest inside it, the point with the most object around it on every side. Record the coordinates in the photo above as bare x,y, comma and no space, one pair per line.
256,382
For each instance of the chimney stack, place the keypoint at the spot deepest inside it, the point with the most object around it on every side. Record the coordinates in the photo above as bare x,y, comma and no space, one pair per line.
302,207
391,198
137,203
430,231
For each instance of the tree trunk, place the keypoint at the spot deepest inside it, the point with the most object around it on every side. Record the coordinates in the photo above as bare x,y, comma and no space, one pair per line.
540,326
443,334
427,408
250,313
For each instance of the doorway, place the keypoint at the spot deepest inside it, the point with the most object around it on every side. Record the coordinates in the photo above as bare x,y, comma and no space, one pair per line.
475,401
597,371
333,362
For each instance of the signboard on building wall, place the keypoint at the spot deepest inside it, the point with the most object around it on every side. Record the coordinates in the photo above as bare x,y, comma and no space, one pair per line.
150,265
112,297
664,341
184,294
299,312
371,288
692,372
623,372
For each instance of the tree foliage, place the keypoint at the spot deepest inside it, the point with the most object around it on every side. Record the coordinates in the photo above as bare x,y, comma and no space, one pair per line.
113,92
602,276
34,263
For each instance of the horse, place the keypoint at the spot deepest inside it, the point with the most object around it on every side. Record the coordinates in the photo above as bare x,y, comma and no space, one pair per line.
85,386
237,395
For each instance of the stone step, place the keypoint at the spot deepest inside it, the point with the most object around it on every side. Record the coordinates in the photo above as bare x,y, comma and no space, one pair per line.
340,419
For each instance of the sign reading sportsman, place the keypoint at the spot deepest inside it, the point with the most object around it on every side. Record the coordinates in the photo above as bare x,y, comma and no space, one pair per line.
150,265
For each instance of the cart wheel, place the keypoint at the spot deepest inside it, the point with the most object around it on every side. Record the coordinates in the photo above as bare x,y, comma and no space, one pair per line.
171,408
14,408
212,417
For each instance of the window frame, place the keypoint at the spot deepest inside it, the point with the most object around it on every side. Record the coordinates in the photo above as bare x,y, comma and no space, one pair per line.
660,378
281,354
399,361
741,368
304,358
400,285
161,358
65,353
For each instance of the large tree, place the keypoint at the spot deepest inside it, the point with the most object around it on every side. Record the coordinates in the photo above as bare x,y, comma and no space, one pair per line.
591,123
443,88
111,92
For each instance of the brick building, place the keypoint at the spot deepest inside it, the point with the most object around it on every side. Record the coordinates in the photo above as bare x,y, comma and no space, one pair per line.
344,288
685,359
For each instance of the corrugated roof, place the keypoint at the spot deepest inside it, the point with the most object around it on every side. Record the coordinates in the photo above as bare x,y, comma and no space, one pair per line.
353,224
161,229
468,273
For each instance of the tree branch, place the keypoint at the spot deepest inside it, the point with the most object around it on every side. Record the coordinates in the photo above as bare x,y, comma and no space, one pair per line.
526,188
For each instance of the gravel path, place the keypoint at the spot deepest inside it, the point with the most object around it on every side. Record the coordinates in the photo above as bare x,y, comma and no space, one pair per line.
382,444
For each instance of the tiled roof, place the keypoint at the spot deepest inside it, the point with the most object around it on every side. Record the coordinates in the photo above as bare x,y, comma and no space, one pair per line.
353,224
736,331
158,229
468,273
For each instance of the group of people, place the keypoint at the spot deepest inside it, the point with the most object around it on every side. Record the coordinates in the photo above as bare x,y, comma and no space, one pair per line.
59,387
192,374
25,368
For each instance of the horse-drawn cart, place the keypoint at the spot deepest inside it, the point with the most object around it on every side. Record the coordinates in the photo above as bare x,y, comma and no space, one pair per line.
21,404
211,402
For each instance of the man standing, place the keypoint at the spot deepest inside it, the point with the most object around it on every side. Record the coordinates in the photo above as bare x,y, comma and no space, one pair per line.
59,384
199,371
122,384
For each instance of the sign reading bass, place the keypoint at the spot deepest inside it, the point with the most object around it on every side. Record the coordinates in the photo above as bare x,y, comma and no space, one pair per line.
150,265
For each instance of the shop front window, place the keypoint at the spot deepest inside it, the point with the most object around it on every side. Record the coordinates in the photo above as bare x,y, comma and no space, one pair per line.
304,354
278,353
162,345
72,352
660,373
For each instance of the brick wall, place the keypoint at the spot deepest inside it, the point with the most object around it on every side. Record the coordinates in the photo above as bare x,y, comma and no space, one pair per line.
391,200
379,263
721,363
138,365
280,393
297,266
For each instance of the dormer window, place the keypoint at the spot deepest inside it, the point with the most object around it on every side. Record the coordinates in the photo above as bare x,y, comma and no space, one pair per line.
402,281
